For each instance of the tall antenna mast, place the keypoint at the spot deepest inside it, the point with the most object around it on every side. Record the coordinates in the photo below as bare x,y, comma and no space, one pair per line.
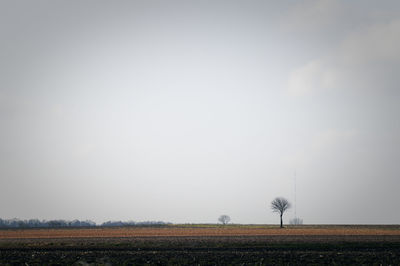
295,199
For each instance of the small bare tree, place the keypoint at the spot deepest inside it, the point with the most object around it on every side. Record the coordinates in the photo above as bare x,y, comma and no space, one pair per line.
224,219
296,221
280,205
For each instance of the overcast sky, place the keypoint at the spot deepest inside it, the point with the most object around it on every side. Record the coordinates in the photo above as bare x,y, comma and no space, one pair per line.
181,111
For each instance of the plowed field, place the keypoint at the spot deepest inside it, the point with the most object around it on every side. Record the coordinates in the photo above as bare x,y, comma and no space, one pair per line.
203,245
187,231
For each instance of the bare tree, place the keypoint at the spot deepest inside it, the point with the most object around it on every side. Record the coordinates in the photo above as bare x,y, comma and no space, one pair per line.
224,219
296,221
280,205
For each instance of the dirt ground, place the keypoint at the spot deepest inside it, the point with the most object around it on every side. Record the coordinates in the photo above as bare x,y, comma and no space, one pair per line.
185,245
198,231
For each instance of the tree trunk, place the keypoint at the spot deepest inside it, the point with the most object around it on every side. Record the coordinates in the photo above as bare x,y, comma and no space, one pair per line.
281,222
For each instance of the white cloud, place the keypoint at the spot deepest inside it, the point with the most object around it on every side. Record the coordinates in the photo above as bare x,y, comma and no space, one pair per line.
365,60
378,43
312,15
310,77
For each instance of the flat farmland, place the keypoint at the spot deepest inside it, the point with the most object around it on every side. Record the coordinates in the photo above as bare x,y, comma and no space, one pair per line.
204,245
206,230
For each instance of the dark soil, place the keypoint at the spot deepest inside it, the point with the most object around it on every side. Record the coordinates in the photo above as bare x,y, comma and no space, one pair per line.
248,250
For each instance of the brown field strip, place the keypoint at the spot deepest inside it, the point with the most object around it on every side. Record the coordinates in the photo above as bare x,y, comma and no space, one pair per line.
171,232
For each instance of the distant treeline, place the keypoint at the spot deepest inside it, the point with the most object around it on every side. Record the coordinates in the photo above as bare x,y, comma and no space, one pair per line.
132,223
36,223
